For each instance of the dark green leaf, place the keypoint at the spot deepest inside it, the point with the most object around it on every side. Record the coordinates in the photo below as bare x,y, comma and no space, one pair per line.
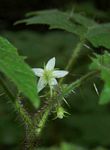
55,19
14,67
82,20
100,35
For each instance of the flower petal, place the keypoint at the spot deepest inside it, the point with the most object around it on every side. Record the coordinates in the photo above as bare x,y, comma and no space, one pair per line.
38,71
50,64
59,74
41,84
53,81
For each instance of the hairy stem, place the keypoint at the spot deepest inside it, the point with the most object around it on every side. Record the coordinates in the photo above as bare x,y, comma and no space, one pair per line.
45,111
16,102
74,55
42,122
23,113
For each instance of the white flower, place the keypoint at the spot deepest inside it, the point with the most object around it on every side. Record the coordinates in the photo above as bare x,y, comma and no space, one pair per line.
48,75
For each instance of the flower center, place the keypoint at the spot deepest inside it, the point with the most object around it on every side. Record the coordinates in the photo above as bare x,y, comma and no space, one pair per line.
48,75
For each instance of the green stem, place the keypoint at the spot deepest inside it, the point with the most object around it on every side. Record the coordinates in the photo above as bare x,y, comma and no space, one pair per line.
74,56
42,122
73,59
79,82
23,113
17,103
19,108
74,85
44,115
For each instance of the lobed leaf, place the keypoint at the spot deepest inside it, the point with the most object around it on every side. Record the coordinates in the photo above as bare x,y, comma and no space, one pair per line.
97,34
55,19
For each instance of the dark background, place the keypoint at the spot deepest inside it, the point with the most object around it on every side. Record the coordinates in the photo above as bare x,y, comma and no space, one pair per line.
12,10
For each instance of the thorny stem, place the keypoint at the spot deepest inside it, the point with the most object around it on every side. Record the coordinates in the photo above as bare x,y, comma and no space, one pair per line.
17,103
79,82
29,127
74,56
44,116
76,84
23,113
68,90
18,107
42,122
33,132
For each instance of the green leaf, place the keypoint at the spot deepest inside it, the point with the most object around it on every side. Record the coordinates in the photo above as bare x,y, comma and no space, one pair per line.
14,67
102,63
99,35
55,19
82,20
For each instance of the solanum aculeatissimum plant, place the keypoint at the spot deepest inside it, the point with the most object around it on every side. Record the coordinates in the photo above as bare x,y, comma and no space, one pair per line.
85,29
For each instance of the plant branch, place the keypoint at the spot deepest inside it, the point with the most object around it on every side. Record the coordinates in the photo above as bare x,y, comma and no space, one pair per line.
23,113
66,91
16,102
45,114
79,82
42,122
74,56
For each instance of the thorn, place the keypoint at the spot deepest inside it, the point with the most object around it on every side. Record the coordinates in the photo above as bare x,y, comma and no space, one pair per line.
96,89
65,101
85,45
73,92
38,111
1,94
54,118
42,96
46,102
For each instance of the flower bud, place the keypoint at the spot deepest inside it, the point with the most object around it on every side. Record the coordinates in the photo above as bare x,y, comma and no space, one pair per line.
60,112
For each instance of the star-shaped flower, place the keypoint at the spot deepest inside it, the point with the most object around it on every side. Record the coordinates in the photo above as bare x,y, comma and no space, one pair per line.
48,75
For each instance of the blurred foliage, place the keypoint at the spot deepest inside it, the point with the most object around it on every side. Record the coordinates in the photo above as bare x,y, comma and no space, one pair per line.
89,123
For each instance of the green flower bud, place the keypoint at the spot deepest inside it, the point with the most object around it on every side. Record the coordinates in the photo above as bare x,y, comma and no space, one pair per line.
60,112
